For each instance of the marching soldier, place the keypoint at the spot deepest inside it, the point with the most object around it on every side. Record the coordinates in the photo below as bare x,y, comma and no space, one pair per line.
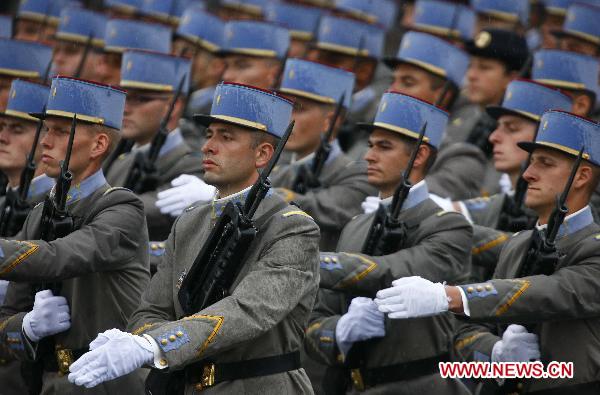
423,67
122,35
553,19
554,297
355,46
580,32
78,42
436,244
301,21
247,341
342,183
574,74
152,81
497,57
518,118
17,134
254,52
37,19
22,59
450,21
200,35
101,267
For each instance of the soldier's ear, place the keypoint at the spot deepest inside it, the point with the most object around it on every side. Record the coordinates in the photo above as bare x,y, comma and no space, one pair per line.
264,151
100,145
584,177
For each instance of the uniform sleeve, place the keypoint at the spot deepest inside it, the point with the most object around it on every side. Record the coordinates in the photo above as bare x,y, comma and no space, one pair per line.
458,172
285,274
474,342
334,206
487,245
320,341
569,293
443,254
19,301
108,242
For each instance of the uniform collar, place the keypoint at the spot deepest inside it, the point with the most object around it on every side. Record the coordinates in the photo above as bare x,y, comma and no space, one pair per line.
40,185
336,150
573,222
86,187
218,205
174,139
417,195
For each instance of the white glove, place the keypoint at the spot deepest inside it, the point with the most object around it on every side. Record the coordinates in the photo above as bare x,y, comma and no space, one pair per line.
517,345
362,322
186,190
50,315
112,354
370,204
412,297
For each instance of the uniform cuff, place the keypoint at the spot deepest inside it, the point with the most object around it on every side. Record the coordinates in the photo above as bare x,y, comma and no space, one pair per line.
465,302
159,362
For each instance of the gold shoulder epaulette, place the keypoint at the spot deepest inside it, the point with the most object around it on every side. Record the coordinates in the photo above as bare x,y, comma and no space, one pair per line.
112,189
296,212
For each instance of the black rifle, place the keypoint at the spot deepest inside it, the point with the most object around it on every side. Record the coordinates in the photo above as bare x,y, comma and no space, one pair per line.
218,263
16,208
86,53
542,256
143,175
56,223
308,177
387,233
124,147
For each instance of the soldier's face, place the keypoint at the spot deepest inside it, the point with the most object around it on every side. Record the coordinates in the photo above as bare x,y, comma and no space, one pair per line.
54,142
416,82
16,139
68,57
142,115
508,157
387,158
207,69
108,68
487,80
312,119
230,158
577,45
5,83
547,175
34,31
251,70
551,22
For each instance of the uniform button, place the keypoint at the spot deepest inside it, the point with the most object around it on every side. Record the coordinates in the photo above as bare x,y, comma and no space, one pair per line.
154,247
161,245
179,334
470,290
163,362
334,259
488,287
327,259
479,288
172,338
164,342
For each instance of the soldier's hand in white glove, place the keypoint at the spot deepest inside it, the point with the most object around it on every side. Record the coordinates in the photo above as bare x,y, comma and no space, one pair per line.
517,345
50,315
370,204
412,297
362,322
113,354
187,189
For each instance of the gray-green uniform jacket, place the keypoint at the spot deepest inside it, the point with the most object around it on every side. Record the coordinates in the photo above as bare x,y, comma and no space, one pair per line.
564,306
10,370
102,266
267,311
175,158
344,187
438,248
